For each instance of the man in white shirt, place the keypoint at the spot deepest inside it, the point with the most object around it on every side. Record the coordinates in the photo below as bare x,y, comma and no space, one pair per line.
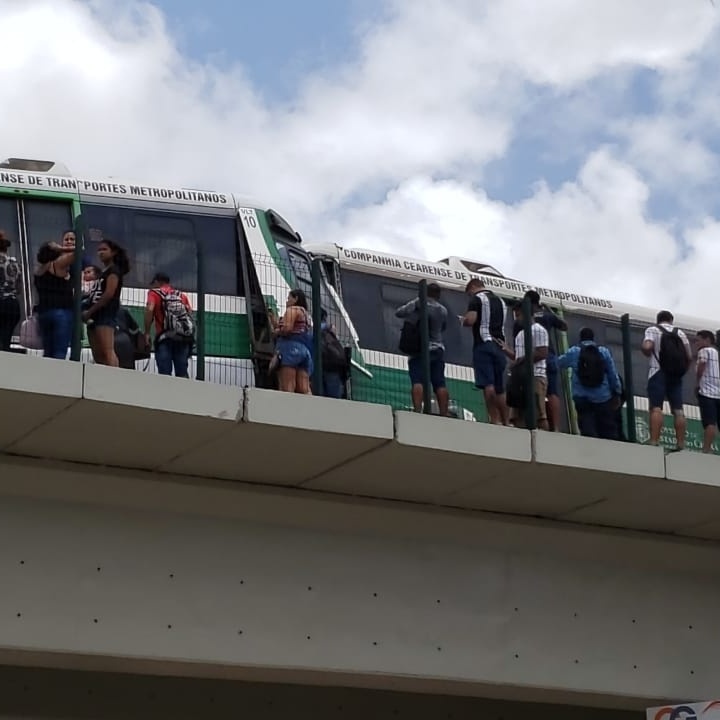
707,386
670,356
540,346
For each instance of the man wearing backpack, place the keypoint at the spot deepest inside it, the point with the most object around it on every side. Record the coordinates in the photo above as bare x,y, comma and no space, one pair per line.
670,356
171,313
437,322
596,388
334,360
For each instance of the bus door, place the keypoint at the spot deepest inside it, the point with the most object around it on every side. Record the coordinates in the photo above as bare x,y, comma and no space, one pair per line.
29,223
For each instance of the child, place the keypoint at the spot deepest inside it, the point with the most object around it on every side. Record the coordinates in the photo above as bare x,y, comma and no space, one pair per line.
90,287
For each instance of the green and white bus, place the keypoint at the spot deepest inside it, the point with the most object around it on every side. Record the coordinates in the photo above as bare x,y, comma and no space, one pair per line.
373,284
244,256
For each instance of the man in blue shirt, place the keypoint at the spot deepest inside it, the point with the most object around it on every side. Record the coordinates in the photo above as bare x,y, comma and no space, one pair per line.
596,388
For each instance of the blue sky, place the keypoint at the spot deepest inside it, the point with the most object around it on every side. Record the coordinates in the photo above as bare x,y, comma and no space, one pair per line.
571,144
278,42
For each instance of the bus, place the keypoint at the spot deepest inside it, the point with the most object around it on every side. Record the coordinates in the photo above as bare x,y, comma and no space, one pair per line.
373,285
234,257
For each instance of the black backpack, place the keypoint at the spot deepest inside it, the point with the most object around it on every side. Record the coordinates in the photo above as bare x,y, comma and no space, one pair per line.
410,338
591,367
333,353
673,358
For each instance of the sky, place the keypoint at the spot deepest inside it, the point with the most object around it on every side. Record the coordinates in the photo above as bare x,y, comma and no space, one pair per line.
571,144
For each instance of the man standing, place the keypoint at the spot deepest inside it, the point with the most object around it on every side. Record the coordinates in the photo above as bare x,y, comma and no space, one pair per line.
670,356
334,360
544,316
596,389
486,316
707,386
537,354
437,322
174,327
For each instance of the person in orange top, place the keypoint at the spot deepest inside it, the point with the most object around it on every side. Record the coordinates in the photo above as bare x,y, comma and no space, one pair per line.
171,313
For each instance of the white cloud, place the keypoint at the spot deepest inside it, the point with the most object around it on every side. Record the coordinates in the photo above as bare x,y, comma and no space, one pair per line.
435,92
592,234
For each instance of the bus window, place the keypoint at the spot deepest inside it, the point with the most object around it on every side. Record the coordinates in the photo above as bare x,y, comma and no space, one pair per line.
9,222
163,243
299,263
167,241
363,301
45,222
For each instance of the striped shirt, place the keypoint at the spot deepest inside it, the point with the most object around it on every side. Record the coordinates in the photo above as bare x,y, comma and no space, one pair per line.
540,338
490,323
709,385
654,334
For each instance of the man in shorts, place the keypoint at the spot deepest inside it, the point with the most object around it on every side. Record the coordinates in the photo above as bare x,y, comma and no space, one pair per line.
670,356
486,316
707,386
540,347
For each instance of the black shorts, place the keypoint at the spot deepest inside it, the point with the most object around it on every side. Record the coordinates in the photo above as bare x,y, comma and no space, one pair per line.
709,410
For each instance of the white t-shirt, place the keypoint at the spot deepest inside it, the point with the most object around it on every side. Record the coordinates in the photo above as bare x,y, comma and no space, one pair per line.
540,339
654,334
710,380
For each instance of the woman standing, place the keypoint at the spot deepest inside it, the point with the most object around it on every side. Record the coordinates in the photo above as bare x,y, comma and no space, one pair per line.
102,314
9,303
294,343
55,295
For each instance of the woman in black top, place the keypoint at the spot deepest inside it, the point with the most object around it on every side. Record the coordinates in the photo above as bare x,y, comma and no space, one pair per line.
55,295
102,314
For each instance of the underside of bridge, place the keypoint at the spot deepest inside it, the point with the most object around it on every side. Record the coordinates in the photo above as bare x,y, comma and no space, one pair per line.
176,549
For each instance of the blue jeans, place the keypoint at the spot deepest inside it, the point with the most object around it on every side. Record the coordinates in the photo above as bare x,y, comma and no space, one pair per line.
56,327
172,353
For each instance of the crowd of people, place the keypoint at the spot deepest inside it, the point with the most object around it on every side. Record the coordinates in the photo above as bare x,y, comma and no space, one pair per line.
113,334
501,368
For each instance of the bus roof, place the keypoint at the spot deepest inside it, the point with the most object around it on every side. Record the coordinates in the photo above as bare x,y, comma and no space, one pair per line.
452,274
50,177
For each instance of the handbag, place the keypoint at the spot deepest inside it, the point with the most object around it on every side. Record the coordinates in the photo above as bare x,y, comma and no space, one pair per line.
30,337
274,363
141,349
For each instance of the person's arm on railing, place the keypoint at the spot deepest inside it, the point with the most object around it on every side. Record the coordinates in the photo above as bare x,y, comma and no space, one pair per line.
567,359
556,322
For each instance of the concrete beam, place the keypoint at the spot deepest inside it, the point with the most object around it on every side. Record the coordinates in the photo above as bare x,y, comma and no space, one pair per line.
103,416
163,572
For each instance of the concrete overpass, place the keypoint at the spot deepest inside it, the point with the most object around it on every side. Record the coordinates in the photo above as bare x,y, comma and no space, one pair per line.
337,559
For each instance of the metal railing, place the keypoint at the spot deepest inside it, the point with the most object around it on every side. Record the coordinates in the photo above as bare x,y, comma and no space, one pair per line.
236,336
